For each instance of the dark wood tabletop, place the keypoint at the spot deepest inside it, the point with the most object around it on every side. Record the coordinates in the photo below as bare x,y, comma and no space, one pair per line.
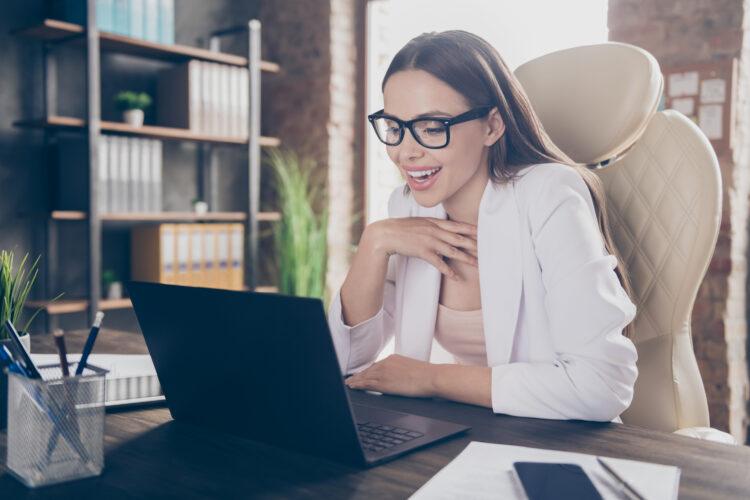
148,455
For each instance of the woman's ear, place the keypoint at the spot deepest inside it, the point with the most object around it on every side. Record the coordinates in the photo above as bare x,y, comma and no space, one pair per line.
495,127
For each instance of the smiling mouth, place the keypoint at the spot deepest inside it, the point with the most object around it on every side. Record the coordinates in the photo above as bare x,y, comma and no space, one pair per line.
423,175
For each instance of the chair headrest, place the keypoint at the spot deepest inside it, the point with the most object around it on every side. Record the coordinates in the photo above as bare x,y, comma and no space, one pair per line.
594,101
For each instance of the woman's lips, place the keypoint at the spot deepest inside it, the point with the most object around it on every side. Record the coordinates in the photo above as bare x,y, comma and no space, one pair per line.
421,185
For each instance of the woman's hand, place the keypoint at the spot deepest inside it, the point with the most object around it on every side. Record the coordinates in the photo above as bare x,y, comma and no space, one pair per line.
427,238
396,374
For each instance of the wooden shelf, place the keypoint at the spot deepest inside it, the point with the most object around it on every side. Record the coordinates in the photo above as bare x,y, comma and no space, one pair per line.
59,306
73,215
66,122
52,30
68,215
74,306
269,216
174,216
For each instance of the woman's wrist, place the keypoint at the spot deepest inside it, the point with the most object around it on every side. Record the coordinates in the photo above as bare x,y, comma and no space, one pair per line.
435,372
372,241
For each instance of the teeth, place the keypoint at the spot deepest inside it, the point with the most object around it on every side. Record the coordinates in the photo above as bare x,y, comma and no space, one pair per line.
423,173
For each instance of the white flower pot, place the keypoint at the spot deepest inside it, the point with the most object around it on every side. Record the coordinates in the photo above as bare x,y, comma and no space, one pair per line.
114,290
26,341
200,207
133,117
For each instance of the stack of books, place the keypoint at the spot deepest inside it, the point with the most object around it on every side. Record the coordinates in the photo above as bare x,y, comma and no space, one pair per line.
151,20
130,175
207,255
204,97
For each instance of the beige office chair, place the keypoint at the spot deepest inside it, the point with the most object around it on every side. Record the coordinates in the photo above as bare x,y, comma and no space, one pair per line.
663,189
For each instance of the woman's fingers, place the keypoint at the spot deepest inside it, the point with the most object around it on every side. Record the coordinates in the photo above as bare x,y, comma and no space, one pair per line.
439,263
457,240
455,227
454,253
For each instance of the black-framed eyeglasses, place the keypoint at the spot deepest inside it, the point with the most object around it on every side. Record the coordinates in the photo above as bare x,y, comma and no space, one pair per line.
432,132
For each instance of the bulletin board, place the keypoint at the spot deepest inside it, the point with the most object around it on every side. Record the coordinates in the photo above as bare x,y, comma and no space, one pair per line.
705,93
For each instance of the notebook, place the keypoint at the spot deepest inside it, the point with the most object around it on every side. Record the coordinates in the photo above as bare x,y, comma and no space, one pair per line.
484,471
131,379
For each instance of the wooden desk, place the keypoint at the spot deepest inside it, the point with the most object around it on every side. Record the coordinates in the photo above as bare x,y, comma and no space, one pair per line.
149,455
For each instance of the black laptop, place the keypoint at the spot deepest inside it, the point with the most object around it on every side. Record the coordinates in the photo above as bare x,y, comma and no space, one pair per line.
263,366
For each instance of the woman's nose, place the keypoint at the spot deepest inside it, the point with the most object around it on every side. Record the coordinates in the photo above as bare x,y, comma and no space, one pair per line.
409,148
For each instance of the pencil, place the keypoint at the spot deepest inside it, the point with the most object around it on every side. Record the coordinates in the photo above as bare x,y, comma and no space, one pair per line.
619,479
60,342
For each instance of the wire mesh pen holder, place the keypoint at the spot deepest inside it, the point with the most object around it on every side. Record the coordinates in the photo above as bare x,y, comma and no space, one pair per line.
56,425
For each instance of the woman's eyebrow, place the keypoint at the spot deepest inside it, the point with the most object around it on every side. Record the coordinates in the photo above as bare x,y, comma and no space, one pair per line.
434,112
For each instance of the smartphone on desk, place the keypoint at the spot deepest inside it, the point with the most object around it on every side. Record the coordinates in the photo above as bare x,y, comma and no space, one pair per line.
545,481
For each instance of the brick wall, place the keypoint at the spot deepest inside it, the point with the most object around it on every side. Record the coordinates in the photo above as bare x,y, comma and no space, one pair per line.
687,32
315,105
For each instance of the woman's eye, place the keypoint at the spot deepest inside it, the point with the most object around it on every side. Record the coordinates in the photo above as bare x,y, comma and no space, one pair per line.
434,131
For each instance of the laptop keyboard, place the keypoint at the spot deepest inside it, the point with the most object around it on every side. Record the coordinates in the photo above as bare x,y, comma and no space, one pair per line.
377,437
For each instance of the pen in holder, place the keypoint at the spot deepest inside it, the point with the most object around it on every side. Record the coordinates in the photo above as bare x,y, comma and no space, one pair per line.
56,425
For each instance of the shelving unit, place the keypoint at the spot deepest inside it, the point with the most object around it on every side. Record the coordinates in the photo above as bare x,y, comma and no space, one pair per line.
53,32
152,131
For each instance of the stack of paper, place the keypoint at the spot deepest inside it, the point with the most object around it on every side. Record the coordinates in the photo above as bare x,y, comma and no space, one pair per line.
131,378
484,470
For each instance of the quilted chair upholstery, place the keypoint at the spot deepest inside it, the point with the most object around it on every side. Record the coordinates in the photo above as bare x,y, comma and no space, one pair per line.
663,185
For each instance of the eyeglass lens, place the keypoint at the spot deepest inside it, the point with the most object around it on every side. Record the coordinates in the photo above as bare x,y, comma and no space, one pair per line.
429,133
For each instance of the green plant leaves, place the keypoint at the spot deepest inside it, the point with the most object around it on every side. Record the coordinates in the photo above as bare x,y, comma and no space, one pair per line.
127,99
15,289
301,234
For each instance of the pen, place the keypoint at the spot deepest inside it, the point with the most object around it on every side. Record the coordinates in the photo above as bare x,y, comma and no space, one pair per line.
619,479
60,342
6,360
24,360
89,345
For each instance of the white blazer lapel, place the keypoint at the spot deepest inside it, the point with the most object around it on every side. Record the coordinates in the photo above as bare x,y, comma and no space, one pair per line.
419,302
500,275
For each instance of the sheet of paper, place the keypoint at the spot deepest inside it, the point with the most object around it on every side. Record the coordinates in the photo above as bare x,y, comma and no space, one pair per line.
713,91
684,105
119,365
484,471
681,84
710,120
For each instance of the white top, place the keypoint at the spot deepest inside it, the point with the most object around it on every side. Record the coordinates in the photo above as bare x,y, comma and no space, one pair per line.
461,334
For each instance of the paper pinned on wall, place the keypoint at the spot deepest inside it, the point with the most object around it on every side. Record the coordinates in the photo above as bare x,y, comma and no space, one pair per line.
685,105
682,84
713,91
710,120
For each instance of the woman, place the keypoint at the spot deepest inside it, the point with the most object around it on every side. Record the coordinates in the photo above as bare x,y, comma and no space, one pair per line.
497,247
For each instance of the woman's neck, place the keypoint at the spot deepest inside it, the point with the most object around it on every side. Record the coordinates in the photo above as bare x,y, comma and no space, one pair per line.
463,205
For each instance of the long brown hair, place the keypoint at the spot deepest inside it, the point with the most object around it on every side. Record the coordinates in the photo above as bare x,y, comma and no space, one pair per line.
473,68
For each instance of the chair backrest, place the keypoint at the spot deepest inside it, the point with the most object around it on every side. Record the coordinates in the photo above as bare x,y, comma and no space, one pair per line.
663,189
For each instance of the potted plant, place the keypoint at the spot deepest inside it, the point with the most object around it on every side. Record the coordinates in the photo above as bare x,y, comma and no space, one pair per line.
200,206
132,105
300,235
14,290
112,285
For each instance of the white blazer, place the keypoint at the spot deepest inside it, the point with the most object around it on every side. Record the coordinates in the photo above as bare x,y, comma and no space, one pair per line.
552,306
